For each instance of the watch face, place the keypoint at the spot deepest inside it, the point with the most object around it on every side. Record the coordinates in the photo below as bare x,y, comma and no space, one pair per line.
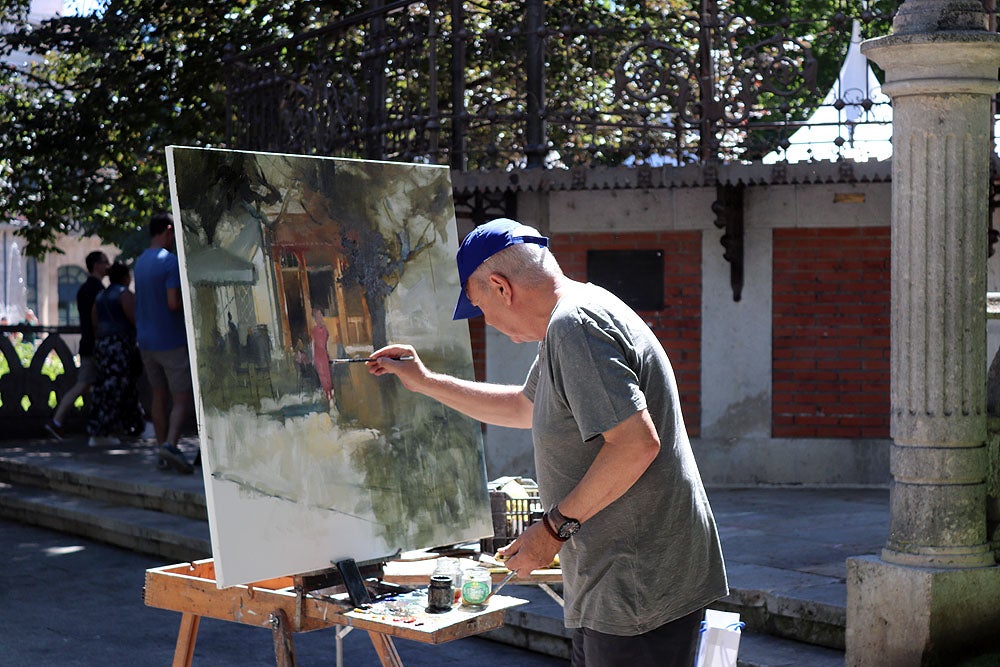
569,528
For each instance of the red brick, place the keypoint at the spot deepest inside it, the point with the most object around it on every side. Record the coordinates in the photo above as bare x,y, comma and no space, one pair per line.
831,308
678,325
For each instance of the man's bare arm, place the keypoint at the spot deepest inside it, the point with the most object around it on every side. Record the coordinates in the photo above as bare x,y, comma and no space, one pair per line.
629,448
174,301
498,404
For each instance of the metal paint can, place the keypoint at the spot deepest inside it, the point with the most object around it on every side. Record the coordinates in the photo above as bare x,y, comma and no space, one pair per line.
439,598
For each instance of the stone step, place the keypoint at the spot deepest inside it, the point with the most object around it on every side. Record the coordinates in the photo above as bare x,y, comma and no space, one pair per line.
118,486
757,650
538,627
172,537
798,613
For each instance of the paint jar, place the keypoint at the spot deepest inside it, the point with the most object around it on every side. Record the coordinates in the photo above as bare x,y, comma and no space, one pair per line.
439,598
476,585
450,567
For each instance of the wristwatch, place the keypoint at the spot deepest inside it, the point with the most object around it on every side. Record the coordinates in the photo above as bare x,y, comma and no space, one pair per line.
562,527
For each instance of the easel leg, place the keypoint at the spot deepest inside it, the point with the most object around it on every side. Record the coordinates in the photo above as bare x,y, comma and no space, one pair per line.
284,649
341,633
186,636
385,649
552,594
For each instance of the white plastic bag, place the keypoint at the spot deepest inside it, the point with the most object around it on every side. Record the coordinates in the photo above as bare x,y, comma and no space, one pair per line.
719,639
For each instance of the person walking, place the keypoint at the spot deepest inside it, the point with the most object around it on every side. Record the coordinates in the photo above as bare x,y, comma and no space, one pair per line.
115,408
626,508
162,338
97,267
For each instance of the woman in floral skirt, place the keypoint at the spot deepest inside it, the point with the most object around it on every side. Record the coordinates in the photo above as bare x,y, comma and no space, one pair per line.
115,405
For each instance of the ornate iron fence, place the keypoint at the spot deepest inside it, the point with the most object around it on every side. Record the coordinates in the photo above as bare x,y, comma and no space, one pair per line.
36,370
496,85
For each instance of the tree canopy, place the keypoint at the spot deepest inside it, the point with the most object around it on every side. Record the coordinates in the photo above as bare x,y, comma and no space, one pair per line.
85,120
84,127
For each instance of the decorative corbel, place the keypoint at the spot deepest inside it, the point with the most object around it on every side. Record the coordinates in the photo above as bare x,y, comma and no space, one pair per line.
728,209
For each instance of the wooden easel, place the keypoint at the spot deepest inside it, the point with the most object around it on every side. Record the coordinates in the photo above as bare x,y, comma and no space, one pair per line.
284,605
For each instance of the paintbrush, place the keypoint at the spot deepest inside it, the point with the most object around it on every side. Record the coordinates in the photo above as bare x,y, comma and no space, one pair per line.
503,583
359,360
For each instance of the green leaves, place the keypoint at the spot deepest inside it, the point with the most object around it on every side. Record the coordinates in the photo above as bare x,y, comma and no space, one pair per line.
87,112
86,120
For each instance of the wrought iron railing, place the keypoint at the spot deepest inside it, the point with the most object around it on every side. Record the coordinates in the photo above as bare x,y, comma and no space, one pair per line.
37,368
495,85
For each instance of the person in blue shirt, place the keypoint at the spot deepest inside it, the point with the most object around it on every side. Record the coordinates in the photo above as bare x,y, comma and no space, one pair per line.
162,339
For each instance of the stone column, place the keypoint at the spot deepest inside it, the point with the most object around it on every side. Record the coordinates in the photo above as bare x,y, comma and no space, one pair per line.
932,596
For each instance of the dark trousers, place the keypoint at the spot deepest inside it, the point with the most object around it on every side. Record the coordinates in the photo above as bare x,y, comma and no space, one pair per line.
672,644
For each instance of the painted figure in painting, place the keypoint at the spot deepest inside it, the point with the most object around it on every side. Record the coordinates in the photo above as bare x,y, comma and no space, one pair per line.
233,338
628,514
304,367
321,358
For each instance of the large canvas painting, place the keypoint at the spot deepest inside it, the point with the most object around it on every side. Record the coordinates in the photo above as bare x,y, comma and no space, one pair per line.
290,262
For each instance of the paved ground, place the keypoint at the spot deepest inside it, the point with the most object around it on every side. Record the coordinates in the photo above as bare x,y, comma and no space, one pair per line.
68,601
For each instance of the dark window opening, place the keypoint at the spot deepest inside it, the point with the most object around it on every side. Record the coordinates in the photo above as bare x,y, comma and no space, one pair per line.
634,276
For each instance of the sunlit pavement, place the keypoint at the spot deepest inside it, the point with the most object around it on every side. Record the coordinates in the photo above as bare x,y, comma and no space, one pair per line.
71,601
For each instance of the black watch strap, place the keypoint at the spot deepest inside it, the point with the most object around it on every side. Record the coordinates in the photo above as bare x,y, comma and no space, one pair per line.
564,526
549,528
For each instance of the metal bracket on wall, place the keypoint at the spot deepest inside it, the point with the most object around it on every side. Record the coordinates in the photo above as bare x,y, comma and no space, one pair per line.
728,209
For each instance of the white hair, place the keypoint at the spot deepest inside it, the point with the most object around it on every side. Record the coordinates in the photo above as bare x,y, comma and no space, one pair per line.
522,263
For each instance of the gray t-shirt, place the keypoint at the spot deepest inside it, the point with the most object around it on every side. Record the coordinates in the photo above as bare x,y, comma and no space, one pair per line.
653,555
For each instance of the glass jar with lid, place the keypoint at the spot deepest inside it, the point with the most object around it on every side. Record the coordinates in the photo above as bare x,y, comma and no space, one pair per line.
476,585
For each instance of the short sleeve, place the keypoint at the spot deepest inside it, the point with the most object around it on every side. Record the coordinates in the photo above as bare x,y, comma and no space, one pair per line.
173,272
593,371
531,381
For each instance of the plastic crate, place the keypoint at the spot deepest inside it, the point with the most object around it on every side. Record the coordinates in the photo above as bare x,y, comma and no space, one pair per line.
511,515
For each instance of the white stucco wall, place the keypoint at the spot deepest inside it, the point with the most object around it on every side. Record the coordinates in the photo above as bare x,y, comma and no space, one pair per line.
735,446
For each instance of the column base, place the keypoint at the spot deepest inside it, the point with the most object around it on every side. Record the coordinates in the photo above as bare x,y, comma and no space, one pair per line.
942,557
901,615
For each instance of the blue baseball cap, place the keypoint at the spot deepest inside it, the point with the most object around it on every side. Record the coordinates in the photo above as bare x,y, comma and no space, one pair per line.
482,243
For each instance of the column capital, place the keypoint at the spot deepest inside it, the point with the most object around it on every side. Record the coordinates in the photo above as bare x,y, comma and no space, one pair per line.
937,63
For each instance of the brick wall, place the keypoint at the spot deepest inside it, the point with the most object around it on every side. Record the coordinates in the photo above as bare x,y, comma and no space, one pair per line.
678,325
477,334
831,333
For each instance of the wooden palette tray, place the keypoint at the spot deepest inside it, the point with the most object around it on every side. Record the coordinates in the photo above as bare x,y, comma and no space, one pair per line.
279,604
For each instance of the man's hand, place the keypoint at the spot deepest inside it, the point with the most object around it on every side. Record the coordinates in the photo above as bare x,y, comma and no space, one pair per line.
500,404
534,549
386,362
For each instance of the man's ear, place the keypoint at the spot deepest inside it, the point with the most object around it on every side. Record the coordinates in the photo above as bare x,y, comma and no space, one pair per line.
502,286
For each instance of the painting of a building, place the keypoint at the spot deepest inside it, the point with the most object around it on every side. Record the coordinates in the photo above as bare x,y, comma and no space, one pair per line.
291,262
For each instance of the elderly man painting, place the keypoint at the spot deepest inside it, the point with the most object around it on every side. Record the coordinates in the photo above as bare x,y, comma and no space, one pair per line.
628,513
